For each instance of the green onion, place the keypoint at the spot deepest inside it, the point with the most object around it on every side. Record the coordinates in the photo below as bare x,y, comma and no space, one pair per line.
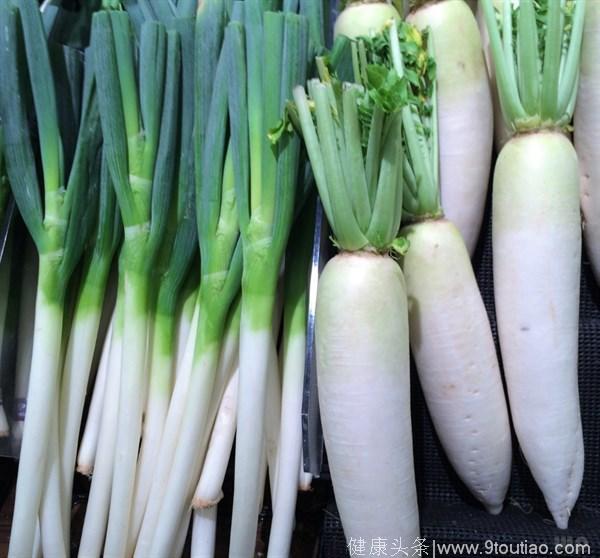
218,234
178,250
84,333
58,227
267,48
138,107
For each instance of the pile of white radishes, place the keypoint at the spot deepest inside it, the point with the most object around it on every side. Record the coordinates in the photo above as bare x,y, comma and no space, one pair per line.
536,236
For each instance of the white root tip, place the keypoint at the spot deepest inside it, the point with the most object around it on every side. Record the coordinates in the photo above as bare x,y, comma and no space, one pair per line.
494,509
305,487
561,517
201,504
86,470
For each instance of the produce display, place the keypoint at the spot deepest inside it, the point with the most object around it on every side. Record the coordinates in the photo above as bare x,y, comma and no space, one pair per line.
162,168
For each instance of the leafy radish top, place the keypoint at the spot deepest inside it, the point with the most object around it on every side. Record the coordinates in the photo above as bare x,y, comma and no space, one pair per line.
536,47
354,134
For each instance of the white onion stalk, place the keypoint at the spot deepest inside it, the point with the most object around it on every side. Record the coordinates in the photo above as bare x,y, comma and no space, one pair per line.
89,441
147,516
42,395
184,325
454,351
51,516
218,234
76,371
96,513
206,384
209,490
204,532
162,365
272,424
293,350
364,17
228,363
182,534
465,113
83,338
586,134
536,234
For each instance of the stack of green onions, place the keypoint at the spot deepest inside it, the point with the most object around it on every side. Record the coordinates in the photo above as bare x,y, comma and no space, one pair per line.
59,224
220,250
139,113
267,48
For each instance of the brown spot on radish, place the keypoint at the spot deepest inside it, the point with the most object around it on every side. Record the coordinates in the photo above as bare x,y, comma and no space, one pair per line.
525,328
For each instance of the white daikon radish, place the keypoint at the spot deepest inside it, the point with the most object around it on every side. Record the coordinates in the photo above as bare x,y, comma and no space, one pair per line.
364,17
456,359
537,242
361,316
465,112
